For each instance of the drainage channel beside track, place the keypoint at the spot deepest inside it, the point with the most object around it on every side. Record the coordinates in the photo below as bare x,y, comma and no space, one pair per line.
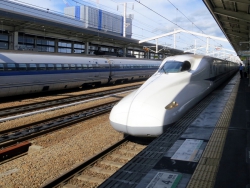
16,135
97,169
41,105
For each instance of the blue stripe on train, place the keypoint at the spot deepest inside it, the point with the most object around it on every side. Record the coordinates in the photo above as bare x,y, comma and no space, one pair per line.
47,72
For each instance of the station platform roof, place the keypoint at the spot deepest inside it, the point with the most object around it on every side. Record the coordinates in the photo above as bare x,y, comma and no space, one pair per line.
234,20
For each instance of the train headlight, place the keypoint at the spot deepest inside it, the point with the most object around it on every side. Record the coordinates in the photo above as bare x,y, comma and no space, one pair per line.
171,105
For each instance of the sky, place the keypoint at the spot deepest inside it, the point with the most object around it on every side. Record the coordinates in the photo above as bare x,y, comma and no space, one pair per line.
155,17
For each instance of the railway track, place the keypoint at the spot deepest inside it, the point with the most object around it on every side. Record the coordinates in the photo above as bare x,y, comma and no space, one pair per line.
96,170
41,105
23,133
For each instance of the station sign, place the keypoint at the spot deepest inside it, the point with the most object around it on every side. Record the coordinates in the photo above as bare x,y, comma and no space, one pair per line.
165,179
189,151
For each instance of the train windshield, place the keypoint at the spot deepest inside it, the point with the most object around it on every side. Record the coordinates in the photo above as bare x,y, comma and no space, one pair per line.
175,66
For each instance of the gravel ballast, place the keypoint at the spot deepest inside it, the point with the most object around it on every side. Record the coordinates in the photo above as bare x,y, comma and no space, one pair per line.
59,152
53,154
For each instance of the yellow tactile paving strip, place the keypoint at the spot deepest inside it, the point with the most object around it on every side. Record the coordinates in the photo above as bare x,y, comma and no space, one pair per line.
207,168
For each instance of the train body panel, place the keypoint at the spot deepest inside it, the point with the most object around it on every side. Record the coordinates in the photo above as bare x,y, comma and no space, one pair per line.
131,69
167,96
31,73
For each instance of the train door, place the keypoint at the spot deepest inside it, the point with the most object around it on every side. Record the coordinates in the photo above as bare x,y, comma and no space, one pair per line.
112,72
213,68
95,66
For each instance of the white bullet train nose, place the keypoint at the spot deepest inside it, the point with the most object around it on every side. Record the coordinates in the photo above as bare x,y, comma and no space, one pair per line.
143,111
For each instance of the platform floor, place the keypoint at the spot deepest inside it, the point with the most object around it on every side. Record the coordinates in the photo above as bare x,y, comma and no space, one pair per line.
212,151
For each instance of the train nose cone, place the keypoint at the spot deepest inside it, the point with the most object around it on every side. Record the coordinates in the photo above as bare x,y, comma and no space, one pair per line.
144,122
119,114
137,118
136,123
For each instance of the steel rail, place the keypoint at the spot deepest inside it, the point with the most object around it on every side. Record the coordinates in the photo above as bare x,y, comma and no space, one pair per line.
41,105
71,173
19,134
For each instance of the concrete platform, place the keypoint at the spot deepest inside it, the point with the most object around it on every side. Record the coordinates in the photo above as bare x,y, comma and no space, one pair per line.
212,151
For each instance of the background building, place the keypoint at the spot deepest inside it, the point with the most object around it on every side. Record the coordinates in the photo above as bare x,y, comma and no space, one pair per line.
99,19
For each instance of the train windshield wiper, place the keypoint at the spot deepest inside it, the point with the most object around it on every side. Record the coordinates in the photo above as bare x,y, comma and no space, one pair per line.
164,70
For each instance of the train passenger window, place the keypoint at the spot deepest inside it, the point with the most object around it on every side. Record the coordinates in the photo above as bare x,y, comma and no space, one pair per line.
41,67
1,67
90,66
32,66
22,67
50,66
65,66
175,66
78,66
58,67
85,66
96,66
10,67
72,66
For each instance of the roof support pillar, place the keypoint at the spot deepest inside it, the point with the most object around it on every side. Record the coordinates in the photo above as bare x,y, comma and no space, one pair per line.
15,40
124,52
147,54
72,47
86,49
156,45
56,45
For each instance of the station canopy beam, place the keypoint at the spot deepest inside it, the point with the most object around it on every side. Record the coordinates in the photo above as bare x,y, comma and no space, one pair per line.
181,31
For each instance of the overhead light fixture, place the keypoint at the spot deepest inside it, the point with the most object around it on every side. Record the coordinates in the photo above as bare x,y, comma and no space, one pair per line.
247,42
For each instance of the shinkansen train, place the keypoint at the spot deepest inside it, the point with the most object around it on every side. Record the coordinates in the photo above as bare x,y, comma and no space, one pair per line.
22,73
179,83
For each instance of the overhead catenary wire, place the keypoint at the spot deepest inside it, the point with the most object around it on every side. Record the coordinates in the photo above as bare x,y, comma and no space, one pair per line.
166,18
189,19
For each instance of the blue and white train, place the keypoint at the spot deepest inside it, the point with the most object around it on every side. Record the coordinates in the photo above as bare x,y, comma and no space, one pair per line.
180,83
23,73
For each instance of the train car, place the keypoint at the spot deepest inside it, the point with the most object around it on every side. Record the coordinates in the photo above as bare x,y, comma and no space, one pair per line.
23,73
180,83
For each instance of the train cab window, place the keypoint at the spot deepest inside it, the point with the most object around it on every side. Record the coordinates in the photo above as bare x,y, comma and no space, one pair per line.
65,66
32,67
1,67
78,66
50,67
10,67
41,67
72,66
22,67
175,66
84,66
58,66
